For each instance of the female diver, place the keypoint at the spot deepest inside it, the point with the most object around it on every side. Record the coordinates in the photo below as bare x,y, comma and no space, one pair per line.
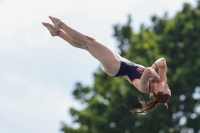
146,80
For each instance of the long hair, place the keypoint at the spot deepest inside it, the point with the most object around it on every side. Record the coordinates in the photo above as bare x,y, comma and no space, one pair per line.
150,105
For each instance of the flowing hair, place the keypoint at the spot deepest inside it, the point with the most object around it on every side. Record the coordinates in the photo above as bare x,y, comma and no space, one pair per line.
150,105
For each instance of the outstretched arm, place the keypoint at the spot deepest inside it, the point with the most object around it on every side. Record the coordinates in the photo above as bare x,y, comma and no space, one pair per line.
149,75
161,65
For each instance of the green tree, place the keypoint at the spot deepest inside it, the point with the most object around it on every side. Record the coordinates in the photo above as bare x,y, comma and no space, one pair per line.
177,39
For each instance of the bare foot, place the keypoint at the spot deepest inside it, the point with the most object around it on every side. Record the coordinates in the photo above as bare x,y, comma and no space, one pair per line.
52,29
55,21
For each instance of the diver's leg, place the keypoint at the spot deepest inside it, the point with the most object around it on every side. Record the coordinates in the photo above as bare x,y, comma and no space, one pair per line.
105,55
59,32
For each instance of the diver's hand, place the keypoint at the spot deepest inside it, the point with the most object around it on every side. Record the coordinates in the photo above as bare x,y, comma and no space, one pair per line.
141,69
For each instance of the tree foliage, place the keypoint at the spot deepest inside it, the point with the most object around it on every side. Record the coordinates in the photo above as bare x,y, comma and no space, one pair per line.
178,40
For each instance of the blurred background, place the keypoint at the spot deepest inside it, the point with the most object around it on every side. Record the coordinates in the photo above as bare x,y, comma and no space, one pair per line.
46,85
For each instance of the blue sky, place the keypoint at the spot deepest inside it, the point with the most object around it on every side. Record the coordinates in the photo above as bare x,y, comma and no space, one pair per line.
38,72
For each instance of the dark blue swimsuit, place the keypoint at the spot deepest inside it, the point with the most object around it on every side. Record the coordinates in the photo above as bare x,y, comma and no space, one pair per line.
129,68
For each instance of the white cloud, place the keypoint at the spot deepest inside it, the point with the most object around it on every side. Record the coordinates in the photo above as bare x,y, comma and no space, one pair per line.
14,78
44,103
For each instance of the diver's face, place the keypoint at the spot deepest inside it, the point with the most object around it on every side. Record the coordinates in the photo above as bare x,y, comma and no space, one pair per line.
162,87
